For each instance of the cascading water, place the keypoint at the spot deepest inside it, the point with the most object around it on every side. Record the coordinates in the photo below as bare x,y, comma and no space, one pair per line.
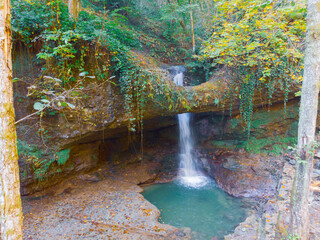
194,200
189,173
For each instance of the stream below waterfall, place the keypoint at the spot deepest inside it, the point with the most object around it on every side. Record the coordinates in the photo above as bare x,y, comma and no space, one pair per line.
208,211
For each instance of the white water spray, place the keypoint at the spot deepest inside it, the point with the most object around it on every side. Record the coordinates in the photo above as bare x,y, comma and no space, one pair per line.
189,173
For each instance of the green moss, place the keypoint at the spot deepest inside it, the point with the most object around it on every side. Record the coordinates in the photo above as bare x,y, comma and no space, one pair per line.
261,141
25,149
294,128
277,149
265,117
274,146
224,144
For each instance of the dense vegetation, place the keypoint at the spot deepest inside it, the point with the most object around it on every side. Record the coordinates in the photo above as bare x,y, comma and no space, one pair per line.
258,44
95,72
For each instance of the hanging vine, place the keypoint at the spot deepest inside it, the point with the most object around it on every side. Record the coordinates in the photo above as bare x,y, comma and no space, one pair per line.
261,44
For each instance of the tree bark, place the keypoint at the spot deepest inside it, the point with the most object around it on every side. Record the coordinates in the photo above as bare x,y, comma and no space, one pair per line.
184,28
10,202
192,31
74,8
299,221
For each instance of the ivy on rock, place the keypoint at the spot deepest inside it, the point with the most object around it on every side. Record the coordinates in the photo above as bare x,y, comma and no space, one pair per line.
260,44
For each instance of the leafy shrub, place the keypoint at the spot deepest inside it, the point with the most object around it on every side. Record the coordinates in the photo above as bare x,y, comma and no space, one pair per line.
40,161
260,44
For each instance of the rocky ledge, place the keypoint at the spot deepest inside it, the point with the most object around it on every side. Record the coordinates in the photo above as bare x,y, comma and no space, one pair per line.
101,205
245,175
271,221
106,202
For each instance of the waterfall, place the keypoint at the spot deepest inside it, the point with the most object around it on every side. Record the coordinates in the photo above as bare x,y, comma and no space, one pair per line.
189,173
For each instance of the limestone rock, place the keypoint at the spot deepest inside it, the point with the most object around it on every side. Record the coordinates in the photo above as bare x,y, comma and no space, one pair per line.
245,175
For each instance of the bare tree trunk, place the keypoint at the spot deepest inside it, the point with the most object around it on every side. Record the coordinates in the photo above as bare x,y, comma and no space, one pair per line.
180,22
74,8
192,31
299,221
10,202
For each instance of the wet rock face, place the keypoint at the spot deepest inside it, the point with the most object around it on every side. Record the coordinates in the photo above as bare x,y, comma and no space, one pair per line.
160,152
239,173
245,175
266,122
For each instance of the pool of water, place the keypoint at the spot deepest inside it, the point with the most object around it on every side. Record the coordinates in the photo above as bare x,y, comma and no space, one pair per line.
208,211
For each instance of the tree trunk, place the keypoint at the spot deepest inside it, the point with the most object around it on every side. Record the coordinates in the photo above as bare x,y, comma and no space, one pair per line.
192,31
74,8
10,202
299,221
180,22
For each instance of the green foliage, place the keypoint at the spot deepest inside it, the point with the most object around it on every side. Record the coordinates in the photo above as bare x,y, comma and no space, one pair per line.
258,35
275,146
53,97
176,16
260,45
31,18
291,237
102,5
40,162
68,46
62,156
29,150
65,43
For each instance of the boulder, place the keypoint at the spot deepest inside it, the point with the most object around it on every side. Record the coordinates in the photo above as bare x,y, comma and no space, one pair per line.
245,175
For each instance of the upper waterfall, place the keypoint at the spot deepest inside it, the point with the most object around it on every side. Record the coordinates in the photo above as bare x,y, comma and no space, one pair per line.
189,173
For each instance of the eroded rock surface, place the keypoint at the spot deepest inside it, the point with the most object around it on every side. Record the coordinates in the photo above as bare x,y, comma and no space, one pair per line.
214,134
245,175
271,221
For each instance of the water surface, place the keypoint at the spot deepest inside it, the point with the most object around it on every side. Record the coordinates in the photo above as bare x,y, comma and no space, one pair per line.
209,211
